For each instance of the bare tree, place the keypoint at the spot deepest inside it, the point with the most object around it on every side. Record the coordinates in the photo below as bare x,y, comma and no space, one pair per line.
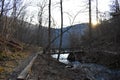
9,13
4,20
97,11
41,6
2,7
115,7
49,26
61,30
90,24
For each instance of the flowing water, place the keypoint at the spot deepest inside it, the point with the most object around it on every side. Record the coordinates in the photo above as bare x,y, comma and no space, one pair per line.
63,58
93,71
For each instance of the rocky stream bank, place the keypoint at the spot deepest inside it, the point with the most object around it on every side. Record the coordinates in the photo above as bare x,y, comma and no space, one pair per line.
47,68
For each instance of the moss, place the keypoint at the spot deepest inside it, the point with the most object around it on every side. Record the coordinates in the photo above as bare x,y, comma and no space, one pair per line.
1,69
2,56
10,60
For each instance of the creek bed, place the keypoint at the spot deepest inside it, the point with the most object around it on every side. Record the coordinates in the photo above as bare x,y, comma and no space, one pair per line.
92,70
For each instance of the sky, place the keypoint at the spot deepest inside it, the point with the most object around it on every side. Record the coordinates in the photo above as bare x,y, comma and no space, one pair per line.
71,8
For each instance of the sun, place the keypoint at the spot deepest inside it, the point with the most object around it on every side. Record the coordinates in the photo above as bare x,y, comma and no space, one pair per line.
94,24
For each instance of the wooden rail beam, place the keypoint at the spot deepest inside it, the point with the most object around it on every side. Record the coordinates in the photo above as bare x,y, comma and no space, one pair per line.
24,75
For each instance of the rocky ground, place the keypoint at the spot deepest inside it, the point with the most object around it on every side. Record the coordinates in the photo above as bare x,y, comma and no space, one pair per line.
47,68
105,58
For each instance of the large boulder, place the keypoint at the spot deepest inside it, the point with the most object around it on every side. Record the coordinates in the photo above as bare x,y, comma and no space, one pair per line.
71,57
76,56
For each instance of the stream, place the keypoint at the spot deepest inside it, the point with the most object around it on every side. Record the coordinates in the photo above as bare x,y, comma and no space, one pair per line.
93,71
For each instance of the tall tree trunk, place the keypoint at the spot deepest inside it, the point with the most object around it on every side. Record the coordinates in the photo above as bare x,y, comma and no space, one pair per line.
49,26
117,6
97,11
39,38
61,31
2,7
97,18
1,15
90,25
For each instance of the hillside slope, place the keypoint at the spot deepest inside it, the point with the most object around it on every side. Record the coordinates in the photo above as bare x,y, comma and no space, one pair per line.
74,30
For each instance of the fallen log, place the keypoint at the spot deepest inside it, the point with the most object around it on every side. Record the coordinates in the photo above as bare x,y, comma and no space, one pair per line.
11,43
24,75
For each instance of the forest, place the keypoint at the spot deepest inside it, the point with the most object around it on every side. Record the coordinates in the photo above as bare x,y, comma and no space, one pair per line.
21,38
